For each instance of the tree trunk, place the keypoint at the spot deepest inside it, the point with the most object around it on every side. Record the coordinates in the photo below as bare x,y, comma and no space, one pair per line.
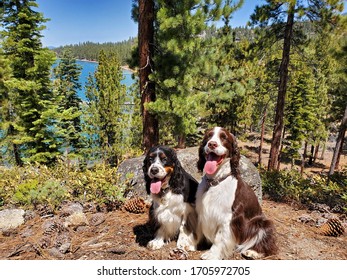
15,147
262,136
150,131
310,161
303,159
316,152
282,89
339,154
339,142
323,149
281,148
181,143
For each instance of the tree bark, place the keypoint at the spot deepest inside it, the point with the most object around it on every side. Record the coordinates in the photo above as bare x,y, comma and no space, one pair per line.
339,154
303,159
316,150
150,132
16,151
310,161
262,136
282,89
339,142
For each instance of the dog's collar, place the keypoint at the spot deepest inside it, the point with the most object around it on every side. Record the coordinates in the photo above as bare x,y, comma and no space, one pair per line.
215,182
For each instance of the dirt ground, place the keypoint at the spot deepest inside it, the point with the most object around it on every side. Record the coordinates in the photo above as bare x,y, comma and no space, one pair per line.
123,235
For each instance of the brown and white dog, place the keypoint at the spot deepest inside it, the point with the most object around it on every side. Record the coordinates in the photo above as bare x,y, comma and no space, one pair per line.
229,214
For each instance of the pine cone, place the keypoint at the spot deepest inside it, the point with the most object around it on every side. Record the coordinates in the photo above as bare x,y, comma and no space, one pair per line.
135,205
333,227
178,254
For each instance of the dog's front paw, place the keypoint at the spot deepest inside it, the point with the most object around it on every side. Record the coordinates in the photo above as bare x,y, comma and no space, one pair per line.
209,255
186,243
252,255
155,244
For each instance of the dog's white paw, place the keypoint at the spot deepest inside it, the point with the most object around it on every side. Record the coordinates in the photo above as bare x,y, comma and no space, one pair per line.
252,255
209,255
186,244
155,244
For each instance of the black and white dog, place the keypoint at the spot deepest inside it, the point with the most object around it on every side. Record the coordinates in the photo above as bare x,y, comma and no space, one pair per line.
173,192
229,215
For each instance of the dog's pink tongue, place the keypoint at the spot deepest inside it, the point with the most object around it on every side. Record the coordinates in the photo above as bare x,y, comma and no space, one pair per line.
211,164
155,186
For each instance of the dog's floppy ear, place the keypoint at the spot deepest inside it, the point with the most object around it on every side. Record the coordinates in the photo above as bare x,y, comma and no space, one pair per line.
202,160
176,177
145,173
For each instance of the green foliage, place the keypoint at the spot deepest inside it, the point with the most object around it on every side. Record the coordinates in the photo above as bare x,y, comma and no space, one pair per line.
90,50
288,186
35,185
106,119
66,84
30,100
196,73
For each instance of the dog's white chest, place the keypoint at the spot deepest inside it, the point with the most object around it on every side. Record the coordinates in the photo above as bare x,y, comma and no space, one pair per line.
170,209
214,205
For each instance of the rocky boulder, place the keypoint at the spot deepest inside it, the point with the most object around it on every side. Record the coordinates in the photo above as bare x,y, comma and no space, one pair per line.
131,174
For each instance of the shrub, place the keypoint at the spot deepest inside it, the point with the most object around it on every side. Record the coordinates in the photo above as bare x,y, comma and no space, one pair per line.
289,185
34,185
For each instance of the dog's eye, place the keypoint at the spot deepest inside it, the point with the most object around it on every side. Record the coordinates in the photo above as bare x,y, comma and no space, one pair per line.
164,160
223,136
151,160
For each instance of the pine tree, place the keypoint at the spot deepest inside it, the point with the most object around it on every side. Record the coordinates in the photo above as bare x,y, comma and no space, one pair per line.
178,37
283,15
6,113
338,92
67,84
106,121
150,130
30,86
302,111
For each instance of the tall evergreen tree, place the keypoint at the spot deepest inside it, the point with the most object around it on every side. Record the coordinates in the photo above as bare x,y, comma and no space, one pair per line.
177,38
146,16
67,84
301,112
6,113
106,120
338,92
282,17
33,101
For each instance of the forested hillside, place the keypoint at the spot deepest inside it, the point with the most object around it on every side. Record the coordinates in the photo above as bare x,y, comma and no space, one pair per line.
90,50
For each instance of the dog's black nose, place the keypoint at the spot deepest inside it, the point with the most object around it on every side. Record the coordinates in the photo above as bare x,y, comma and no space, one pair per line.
154,170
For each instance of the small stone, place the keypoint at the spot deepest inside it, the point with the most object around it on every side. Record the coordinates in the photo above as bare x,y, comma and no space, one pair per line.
71,208
76,219
11,218
65,248
55,253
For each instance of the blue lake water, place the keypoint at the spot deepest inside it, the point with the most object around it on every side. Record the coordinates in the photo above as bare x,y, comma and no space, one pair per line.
90,67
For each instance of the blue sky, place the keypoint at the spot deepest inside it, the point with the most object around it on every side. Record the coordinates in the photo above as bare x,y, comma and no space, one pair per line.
74,21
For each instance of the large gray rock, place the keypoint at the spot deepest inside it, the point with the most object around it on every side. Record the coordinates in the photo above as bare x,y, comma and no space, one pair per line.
11,218
130,172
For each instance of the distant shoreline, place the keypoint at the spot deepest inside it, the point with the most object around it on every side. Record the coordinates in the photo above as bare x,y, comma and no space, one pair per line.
124,67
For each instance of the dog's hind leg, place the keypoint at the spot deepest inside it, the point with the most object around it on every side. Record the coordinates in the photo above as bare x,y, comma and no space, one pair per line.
187,238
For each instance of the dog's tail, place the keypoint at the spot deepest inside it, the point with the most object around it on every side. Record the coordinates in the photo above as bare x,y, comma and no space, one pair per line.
259,235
